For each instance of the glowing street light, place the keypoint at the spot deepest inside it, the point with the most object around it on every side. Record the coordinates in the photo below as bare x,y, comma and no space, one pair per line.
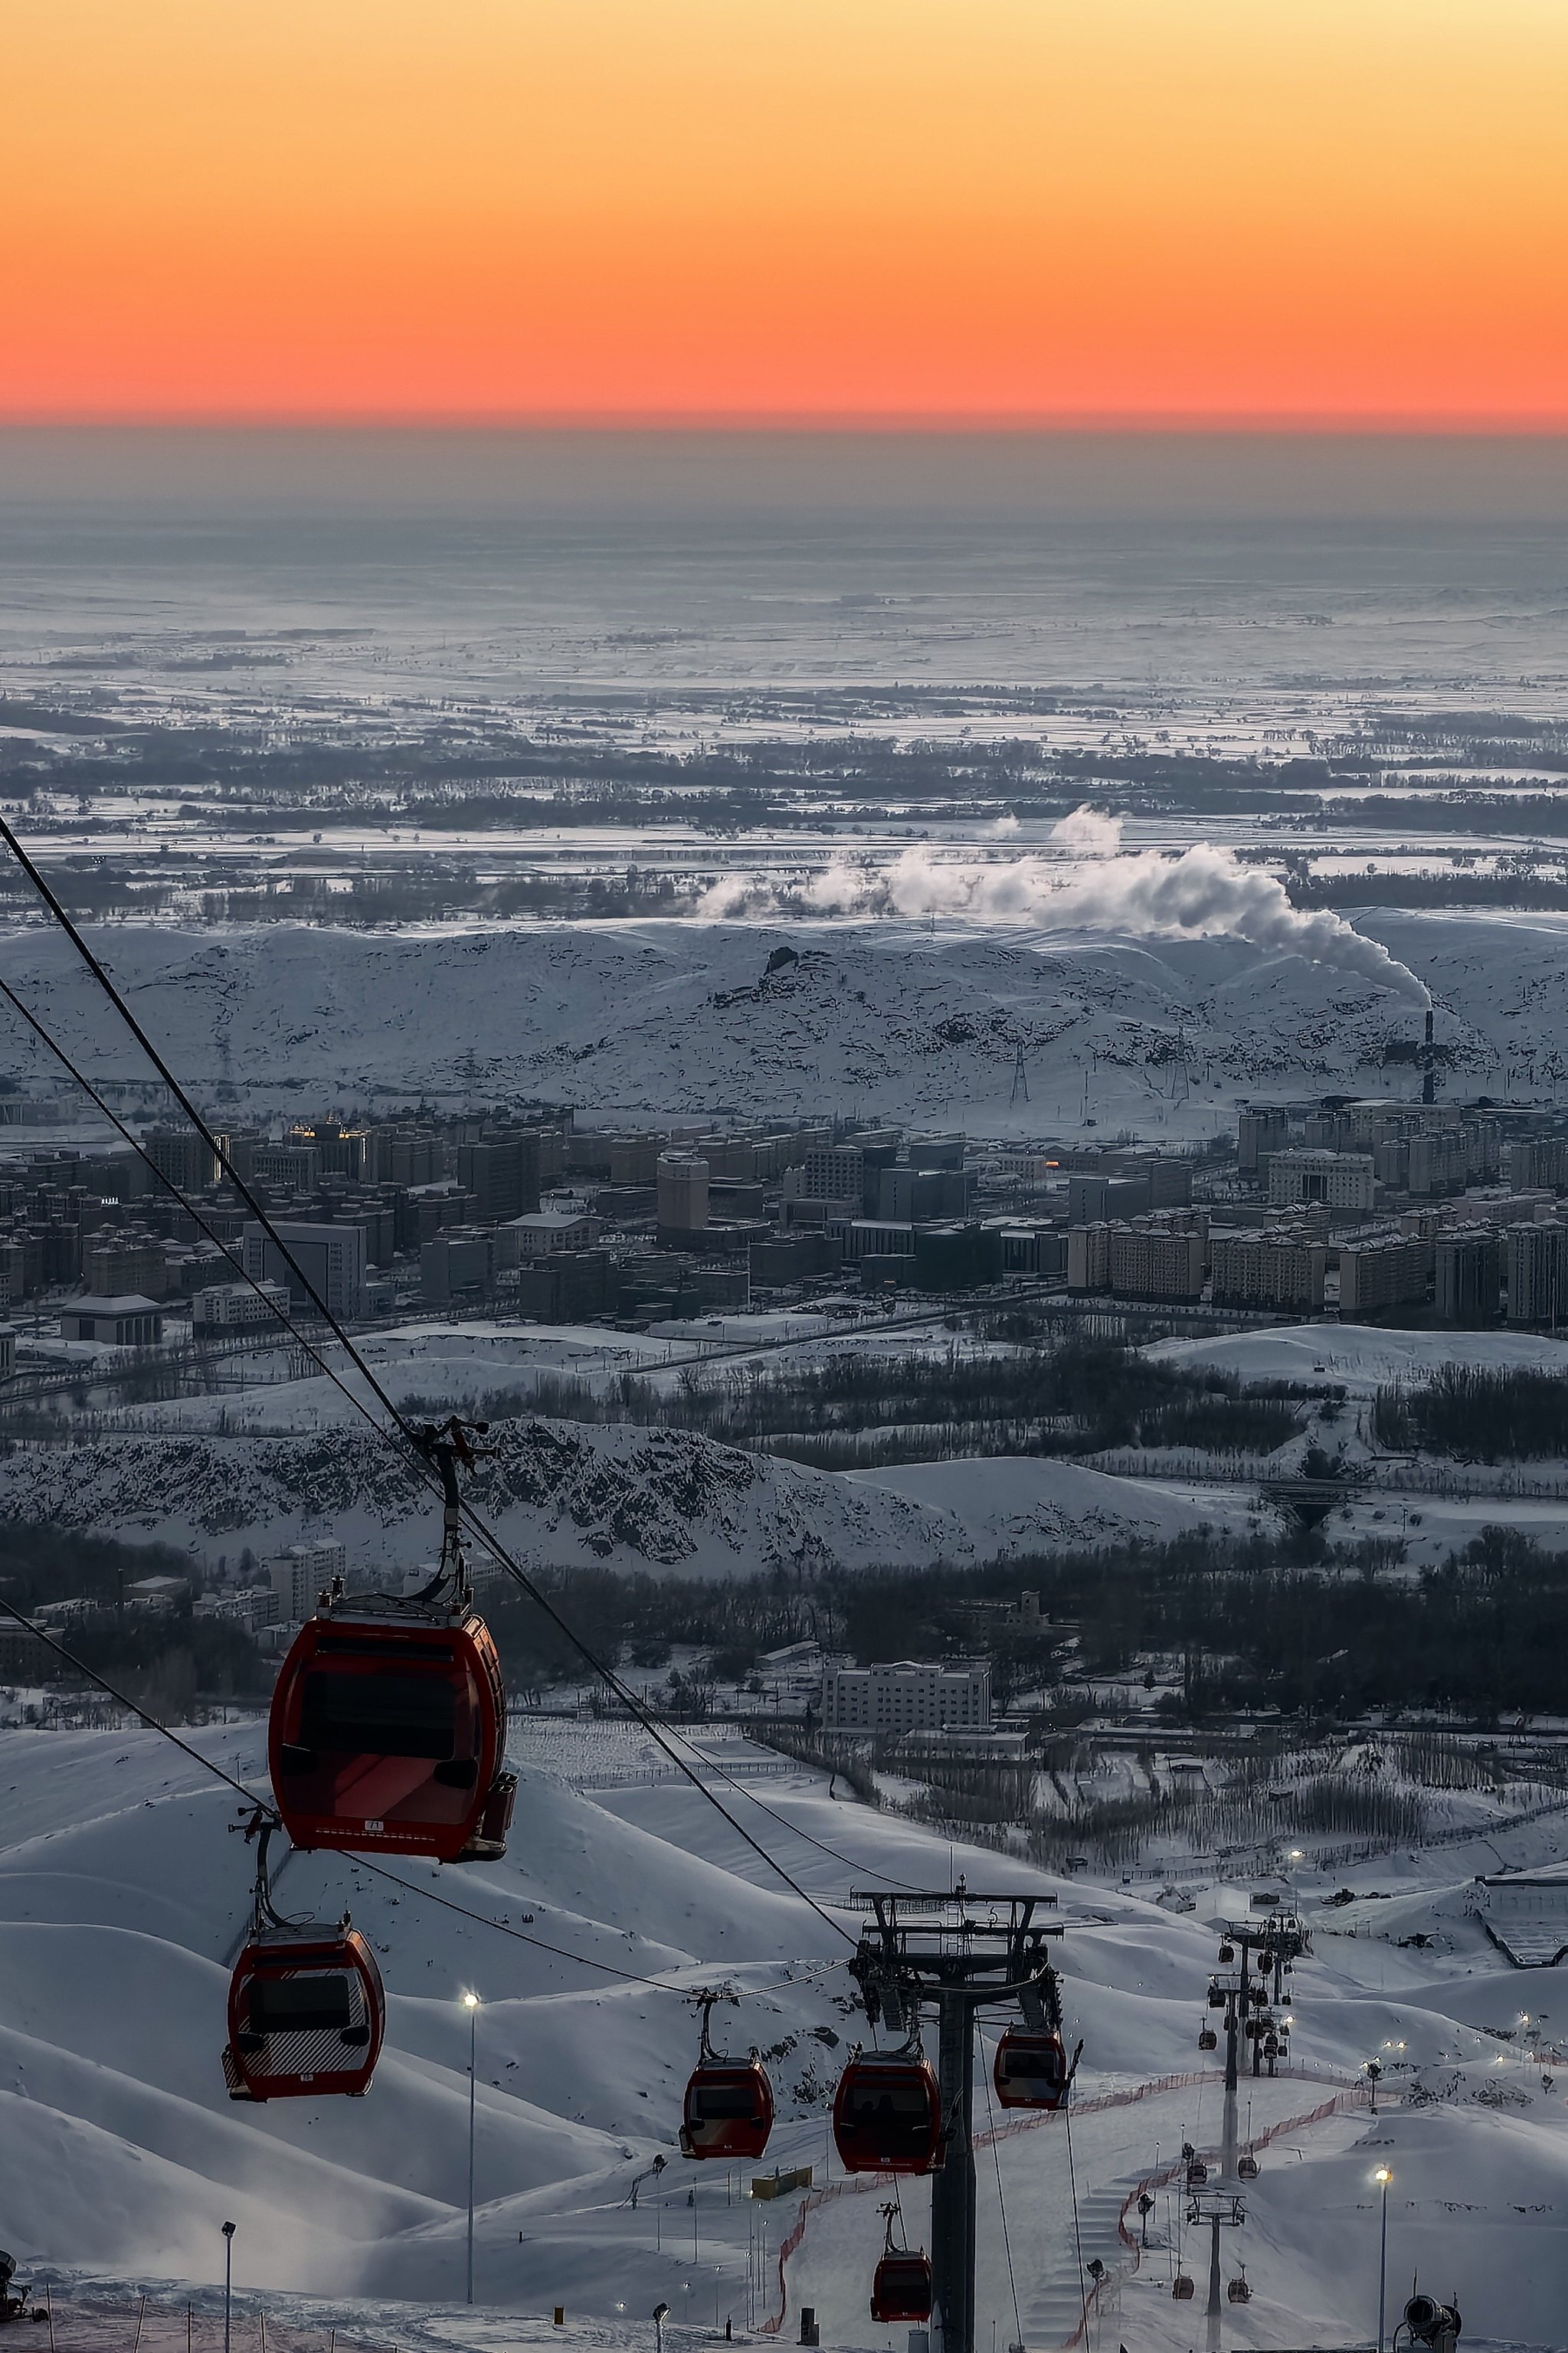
471,2003
1382,2176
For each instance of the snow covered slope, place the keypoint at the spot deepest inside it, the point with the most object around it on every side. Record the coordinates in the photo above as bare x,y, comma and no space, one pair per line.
1360,1358
1019,1503
895,1017
122,1896
563,1492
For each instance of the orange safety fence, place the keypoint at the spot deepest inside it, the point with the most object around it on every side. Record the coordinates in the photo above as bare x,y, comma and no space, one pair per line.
858,2184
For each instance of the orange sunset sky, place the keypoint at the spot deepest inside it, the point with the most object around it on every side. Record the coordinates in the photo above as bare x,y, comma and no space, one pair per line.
784,209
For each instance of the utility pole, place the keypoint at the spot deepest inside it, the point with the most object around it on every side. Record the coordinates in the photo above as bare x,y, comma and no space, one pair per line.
228,2229
1020,1075
955,1953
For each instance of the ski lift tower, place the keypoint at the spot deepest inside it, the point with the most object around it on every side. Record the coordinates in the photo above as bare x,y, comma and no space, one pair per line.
1252,1952
955,1953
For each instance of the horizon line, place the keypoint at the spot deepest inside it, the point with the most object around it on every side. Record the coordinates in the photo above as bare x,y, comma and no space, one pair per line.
1510,423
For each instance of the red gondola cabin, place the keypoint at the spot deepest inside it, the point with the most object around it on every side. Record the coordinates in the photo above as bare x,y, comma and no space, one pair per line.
387,1730
306,2015
1031,2069
887,2114
901,2288
729,2109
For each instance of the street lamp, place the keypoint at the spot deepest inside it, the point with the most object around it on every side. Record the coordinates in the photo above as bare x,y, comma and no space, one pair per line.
471,2003
228,2229
660,2314
1382,2176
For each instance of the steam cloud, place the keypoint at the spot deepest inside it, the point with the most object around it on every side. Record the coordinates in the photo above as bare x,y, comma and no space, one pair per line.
1202,894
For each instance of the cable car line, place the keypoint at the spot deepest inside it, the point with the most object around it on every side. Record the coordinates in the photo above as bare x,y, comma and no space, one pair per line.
306,1343
1002,2201
505,1928
262,1813
401,1428
305,1340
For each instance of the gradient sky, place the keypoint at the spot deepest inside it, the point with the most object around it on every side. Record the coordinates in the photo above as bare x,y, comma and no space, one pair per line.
1285,208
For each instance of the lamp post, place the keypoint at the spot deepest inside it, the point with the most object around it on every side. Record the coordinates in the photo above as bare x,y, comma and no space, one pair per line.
660,2314
1382,2176
227,2281
471,2003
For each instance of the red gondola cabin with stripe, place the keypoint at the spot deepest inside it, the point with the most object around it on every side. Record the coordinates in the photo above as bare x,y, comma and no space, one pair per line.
306,2015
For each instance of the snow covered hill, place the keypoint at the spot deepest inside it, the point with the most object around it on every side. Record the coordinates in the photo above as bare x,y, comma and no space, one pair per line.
562,1493
892,1017
123,1897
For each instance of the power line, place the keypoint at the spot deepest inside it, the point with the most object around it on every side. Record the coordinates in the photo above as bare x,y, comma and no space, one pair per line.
401,1428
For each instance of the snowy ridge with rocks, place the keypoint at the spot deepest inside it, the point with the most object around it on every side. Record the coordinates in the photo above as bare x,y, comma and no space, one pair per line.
562,1492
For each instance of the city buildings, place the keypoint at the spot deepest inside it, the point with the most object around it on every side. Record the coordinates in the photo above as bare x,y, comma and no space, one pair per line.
1387,1270
1344,1180
907,1696
128,1322
683,1181
332,1256
1267,1269
1538,1274
230,1306
1467,1278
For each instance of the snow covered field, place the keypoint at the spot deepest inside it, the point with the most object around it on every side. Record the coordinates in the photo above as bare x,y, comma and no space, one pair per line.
123,1898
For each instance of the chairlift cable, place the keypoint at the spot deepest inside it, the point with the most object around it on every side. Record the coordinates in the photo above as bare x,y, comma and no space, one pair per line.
583,1960
360,1862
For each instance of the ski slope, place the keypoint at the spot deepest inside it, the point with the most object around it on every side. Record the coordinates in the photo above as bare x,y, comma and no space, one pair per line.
123,1894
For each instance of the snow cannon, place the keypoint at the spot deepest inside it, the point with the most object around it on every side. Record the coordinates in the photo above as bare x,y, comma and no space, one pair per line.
1433,2325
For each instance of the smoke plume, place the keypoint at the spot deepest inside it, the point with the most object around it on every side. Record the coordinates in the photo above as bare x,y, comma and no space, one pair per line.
1205,892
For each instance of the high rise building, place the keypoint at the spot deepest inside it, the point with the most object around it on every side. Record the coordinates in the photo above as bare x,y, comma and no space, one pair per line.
181,1155
1468,1278
683,1193
331,1256
1537,1273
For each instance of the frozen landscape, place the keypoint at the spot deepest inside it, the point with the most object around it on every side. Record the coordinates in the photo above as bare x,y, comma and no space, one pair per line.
1002,834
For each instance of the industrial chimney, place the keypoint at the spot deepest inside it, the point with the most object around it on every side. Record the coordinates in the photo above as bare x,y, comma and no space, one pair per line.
1428,1066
